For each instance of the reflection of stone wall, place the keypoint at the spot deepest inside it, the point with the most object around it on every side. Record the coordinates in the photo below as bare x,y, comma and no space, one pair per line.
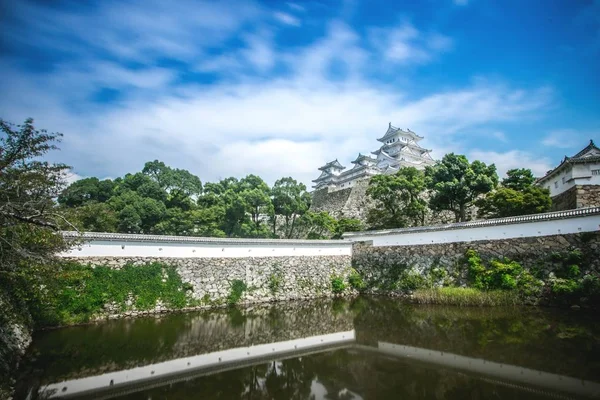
580,196
130,343
373,262
267,278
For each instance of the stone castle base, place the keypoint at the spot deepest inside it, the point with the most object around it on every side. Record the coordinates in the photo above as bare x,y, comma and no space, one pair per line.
579,196
354,202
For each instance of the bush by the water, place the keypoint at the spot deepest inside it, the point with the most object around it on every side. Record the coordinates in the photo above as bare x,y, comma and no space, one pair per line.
464,297
76,292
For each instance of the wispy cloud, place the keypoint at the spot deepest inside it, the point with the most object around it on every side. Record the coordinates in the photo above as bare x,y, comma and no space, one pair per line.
461,2
405,44
286,18
513,159
562,138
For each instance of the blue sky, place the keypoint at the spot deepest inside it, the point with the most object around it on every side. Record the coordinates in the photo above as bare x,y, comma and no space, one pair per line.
278,88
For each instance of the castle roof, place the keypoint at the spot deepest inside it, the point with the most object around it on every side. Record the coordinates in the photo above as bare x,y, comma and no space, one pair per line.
393,131
590,153
335,164
363,157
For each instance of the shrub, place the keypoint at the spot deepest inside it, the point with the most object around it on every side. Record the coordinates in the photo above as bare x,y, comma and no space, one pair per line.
410,281
237,289
337,284
464,297
356,281
275,282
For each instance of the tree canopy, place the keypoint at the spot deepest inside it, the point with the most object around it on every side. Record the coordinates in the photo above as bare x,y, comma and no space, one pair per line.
398,199
455,183
517,195
28,186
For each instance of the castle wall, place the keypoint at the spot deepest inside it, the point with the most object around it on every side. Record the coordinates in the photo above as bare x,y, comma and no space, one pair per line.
580,196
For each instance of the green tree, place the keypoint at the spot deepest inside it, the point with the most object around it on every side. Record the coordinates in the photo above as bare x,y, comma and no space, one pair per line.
517,196
455,183
92,217
86,190
347,225
256,196
518,179
316,225
173,179
290,200
28,186
398,199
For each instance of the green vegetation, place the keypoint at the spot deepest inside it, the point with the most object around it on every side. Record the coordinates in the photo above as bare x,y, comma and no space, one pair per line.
356,281
410,280
455,183
337,284
237,289
457,296
398,199
275,280
500,275
517,196
74,293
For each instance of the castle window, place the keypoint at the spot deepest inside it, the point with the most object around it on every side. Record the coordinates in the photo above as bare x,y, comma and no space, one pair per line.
556,184
563,180
596,172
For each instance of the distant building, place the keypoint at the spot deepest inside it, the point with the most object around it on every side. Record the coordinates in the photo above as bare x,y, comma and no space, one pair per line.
400,148
575,183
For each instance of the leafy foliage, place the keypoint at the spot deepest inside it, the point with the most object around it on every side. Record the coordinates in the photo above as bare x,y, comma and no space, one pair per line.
516,196
68,293
498,275
456,183
237,289
398,199
337,284
356,281
347,225
28,186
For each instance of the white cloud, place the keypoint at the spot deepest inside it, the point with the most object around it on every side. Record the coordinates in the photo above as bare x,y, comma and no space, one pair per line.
405,44
562,138
241,123
513,159
461,2
296,6
286,18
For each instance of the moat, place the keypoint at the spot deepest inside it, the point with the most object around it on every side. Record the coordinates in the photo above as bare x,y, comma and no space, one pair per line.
363,348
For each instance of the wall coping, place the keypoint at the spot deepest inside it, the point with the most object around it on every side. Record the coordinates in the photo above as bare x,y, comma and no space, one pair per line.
114,237
551,216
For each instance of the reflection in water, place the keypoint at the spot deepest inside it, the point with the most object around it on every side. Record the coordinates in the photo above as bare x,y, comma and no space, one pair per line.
363,349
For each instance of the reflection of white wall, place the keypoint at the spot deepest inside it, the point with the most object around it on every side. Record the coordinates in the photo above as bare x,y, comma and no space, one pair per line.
221,359
122,245
563,222
512,373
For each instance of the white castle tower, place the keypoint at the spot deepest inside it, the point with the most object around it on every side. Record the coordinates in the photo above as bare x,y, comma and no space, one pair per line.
400,149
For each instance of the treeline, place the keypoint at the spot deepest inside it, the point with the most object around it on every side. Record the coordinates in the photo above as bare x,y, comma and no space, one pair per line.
167,201
453,185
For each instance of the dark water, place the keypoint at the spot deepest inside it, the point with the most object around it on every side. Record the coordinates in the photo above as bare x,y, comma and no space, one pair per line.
368,348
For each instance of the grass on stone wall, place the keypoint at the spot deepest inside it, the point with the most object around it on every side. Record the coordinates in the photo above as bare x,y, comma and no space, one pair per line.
237,289
457,296
78,292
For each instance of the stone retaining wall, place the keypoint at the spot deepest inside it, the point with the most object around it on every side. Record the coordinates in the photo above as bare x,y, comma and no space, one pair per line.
580,196
374,262
267,278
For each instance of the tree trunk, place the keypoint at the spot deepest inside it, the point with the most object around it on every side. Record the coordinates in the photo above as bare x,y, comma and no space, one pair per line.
462,215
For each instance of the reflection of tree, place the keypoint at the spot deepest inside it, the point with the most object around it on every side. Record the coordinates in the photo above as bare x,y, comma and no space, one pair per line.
290,379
